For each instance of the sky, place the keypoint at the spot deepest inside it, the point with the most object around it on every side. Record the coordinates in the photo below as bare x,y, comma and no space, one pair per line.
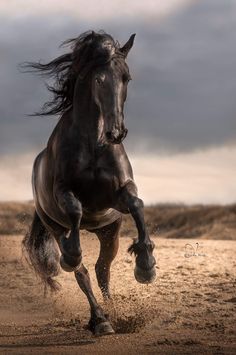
181,103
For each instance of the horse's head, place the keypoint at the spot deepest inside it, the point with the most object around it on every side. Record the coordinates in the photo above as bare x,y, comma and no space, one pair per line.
96,63
109,89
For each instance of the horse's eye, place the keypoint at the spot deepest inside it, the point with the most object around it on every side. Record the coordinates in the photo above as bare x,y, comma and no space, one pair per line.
126,78
98,81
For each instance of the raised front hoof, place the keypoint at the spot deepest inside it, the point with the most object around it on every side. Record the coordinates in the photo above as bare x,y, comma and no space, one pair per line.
70,264
103,328
145,276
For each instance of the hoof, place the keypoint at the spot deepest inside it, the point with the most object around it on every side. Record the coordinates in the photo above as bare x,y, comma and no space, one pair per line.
66,267
145,276
103,328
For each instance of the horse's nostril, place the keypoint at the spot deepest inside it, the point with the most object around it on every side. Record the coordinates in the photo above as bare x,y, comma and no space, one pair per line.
116,136
112,135
109,135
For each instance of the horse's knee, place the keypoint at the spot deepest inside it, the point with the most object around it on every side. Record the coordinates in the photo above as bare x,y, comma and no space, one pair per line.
135,203
129,197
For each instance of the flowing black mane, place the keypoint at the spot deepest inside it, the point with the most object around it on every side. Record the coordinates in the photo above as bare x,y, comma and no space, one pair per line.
87,50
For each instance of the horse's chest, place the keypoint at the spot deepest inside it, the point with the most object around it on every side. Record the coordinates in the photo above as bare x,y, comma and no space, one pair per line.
97,180
94,175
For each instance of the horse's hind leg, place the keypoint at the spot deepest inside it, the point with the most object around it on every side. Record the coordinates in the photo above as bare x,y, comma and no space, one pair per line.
98,323
109,244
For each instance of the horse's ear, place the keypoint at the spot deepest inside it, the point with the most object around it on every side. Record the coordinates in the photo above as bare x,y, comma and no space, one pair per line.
128,45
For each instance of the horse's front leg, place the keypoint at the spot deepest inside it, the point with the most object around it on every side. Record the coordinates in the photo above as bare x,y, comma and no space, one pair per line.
70,246
145,270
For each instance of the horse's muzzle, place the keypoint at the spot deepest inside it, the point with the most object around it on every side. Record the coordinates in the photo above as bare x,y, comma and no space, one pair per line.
115,136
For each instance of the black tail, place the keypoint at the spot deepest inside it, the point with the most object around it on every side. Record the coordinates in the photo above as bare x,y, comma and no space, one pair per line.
42,252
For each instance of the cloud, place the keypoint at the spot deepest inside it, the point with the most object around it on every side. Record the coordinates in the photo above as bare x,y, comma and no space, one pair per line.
196,177
88,10
182,97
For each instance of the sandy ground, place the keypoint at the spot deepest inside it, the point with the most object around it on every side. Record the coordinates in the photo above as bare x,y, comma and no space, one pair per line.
191,308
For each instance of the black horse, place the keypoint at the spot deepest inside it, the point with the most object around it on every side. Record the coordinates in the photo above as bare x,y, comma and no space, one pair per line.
83,178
